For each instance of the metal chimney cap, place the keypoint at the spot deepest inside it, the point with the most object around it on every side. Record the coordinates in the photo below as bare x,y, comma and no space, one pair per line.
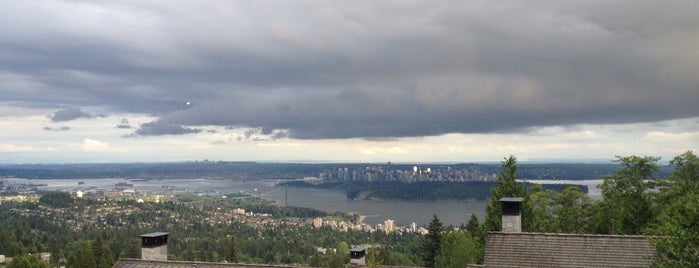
155,234
511,199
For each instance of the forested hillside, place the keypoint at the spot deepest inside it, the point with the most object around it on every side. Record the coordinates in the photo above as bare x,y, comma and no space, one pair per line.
201,228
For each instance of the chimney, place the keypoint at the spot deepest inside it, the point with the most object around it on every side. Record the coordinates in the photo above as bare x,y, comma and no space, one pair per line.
154,246
511,214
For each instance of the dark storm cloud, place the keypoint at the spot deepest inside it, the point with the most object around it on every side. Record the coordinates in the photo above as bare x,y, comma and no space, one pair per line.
69,114
158,128
356,69
124,123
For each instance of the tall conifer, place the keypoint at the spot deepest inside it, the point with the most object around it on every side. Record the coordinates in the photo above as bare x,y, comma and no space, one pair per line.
434,239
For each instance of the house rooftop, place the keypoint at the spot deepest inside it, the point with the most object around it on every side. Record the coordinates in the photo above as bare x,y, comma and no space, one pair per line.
511,199
358,248
567,250
155,234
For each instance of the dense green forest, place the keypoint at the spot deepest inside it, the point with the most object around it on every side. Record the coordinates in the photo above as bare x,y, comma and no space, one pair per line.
635,202
50,226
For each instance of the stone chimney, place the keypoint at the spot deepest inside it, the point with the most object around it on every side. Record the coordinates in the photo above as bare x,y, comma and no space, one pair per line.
154,246
511,214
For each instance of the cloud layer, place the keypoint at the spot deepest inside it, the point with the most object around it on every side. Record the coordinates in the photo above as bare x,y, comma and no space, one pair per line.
69,114
348,69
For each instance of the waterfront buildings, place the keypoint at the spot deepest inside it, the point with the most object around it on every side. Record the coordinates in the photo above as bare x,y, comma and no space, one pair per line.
388,225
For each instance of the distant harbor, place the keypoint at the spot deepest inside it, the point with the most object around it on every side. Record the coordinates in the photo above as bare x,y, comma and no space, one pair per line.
594,191
374,212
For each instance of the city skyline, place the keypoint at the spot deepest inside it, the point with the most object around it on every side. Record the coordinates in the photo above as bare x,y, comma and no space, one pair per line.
336,81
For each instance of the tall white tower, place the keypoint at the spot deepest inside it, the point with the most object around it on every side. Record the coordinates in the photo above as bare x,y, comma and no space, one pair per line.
388,225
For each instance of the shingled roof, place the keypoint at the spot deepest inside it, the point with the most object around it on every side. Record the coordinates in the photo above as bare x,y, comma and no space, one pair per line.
567,250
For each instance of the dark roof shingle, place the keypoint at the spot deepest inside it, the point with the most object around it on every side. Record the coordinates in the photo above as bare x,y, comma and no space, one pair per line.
567,250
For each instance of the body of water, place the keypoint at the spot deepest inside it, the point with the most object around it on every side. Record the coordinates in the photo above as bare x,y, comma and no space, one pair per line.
402,212
593,190
376,211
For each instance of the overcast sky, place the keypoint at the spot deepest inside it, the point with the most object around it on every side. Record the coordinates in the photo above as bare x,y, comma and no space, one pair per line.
374,81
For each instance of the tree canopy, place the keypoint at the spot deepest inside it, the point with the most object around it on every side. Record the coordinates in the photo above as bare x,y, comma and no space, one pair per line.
430,248
56,199
627,205
676,226
507,187
457,249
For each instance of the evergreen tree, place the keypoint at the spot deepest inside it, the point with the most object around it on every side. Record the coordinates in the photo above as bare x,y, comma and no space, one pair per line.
314,260
101,253
56,199
336,261
55,251
233,253
107,260
432,242
202,256
473,226
540,204
572,210
27,261
343,249
507,187
373,259
685,179
132,250
678,235
626,207
457,249
82,258
384,255
97,252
